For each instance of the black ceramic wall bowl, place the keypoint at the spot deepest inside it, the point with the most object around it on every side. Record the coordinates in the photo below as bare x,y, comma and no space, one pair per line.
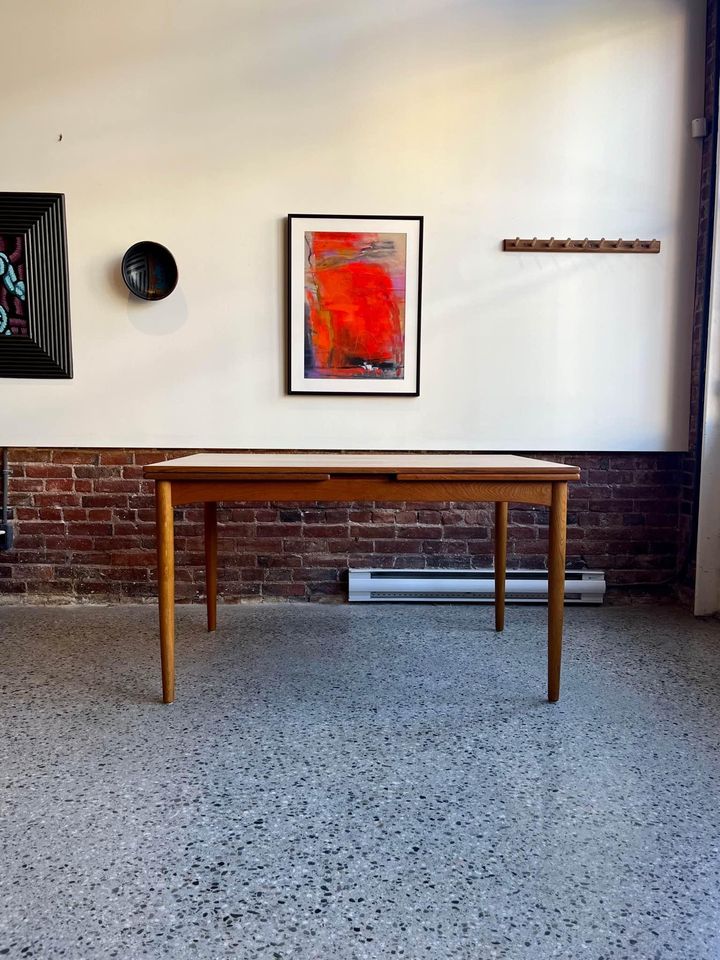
149,270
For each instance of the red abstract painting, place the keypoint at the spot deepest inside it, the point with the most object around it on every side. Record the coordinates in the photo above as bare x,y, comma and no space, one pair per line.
355,305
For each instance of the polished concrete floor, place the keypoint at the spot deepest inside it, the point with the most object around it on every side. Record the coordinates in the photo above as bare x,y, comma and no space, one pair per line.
341,782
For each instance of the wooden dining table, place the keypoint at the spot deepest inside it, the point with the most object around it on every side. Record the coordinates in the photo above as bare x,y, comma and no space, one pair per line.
211,478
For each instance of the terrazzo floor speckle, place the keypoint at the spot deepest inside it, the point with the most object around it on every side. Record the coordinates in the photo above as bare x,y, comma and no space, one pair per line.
359,782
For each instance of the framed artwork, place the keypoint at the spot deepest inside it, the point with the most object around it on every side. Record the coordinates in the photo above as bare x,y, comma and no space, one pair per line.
34,308
354,286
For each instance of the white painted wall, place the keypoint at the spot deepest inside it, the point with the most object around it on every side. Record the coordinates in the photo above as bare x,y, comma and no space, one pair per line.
202,123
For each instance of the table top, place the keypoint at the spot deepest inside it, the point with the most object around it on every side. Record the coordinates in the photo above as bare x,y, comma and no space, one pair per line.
323,466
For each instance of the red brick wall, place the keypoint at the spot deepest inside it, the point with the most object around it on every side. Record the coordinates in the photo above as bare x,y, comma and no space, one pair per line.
85,528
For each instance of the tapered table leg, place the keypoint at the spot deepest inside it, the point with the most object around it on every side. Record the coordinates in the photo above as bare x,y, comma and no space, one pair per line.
211,563
556,585
166,586
501,520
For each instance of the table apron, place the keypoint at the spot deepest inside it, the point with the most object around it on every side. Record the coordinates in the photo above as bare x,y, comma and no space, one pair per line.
361,489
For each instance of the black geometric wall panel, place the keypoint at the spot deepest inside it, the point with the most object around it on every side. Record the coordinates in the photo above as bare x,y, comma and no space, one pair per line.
34,302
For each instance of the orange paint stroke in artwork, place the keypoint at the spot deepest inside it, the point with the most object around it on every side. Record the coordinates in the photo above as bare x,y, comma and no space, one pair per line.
355,305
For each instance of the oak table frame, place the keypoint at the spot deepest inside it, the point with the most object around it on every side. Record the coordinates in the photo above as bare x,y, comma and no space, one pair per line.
347,478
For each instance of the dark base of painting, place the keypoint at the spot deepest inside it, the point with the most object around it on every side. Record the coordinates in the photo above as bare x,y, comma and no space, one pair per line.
23,358
356,373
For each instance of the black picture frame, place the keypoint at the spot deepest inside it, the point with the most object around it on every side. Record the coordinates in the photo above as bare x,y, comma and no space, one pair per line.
44,351
353,387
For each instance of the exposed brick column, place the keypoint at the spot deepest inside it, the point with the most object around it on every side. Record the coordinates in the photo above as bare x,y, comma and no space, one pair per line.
690,463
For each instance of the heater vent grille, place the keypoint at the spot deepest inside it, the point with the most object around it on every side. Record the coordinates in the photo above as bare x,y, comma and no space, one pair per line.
470,586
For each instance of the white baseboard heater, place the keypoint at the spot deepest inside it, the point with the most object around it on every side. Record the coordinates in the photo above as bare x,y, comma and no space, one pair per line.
470,586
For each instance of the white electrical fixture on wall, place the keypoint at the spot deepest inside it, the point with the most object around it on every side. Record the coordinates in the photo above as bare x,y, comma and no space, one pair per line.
470,586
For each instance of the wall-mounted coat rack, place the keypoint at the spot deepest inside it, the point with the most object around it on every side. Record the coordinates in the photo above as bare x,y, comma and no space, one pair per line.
581,246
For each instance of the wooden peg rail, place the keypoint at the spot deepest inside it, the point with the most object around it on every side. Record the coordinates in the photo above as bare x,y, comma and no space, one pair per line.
581,246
